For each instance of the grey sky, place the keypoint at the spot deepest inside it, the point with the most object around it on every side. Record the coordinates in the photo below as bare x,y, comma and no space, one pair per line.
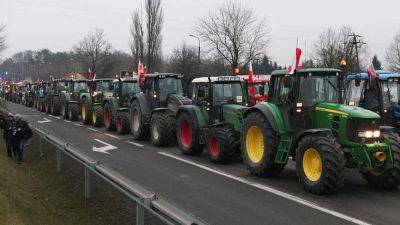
57,24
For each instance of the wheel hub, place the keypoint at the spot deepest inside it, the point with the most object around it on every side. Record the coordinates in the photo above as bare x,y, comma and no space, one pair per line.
255,144
312,164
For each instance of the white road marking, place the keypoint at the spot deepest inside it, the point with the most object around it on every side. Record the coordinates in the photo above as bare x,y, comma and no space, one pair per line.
113,136
57,117
92,129
78,124
45,120
105,148
134,143
271,190
67,121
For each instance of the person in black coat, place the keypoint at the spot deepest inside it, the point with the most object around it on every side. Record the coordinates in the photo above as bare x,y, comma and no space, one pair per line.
8,125
24,132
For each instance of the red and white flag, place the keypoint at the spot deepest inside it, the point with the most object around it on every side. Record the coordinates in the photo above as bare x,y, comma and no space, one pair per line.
252,89
296,64
371,71
141,72
90,75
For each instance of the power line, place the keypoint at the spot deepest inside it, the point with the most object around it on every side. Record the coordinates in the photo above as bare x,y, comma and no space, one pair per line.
355,43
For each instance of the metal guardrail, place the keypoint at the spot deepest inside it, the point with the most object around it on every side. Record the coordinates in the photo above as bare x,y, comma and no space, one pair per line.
145,200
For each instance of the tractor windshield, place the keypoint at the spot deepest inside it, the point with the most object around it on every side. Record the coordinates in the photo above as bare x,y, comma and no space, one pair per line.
354,92
319,88
102,86
168,86
81,86
128,88
390,92
228,93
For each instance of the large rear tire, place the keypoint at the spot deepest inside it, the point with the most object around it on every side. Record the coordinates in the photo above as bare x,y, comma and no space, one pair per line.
259,146
162,129
98,116
64,109
187,136
109,120
222,143
55,105
47,105
73,112
320,164
389,179
86,113
122,122
139,129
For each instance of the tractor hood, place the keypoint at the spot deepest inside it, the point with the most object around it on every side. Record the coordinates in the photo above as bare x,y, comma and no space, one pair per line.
350,111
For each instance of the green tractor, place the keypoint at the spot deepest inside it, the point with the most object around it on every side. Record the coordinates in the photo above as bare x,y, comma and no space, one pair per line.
153,110
29,94
92,107
305,120
116,107
76,92
214,119
52,99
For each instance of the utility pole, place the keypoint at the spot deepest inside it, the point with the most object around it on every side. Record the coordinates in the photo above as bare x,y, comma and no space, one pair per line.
354,43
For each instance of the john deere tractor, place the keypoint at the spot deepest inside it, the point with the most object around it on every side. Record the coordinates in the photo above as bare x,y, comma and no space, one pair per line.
116,107
92,106
29,94
52,99
153,110
380,94
215,118
305,120
77,91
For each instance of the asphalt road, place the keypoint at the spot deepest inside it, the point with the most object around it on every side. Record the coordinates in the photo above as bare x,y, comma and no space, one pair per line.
223,194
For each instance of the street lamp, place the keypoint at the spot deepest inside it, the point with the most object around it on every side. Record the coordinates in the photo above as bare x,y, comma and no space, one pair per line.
193,36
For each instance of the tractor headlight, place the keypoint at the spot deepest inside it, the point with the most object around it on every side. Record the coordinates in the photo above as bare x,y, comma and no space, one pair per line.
351,103
369,134
95,93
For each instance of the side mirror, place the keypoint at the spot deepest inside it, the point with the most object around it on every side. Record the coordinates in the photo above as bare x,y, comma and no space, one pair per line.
287,81
357,81
261,90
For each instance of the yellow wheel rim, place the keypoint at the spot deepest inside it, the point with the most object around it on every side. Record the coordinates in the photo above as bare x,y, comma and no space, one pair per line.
94,117
312,164
83,111
255,144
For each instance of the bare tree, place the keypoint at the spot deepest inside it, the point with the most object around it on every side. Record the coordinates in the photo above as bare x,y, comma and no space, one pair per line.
95,52
137,35
154,21
393,53
233,33
331,47
2,39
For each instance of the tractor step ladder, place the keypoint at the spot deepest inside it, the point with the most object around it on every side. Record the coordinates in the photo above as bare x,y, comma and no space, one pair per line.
283,149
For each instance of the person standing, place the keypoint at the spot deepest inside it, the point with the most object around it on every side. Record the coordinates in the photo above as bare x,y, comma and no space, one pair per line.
23,135
14,131
7,133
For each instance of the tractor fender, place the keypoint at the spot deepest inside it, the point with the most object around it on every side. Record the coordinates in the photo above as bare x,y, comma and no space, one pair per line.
271,113
122,109
159,110
194,112
299,136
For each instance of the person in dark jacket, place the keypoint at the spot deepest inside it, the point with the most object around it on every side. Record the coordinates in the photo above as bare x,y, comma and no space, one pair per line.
6,125
24,132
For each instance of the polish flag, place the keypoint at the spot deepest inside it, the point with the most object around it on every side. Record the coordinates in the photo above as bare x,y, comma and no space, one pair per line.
371,71
90,75
141,72
296,64
252,89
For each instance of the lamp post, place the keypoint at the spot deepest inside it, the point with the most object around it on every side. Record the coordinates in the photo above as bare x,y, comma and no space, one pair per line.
193,36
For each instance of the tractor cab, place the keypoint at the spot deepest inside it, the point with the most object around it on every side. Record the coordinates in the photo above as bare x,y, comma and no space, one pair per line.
379,94
99,88
124,89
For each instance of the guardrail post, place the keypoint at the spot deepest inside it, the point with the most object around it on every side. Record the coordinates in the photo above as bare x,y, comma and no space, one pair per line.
87,182
59,160
140,210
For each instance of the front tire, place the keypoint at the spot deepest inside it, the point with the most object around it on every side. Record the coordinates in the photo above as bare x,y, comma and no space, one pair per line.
73,112
97,116
139,128
260,146
187,136
320,164
109,122
55,105
162,129
86,112
389,179
122,122
221,144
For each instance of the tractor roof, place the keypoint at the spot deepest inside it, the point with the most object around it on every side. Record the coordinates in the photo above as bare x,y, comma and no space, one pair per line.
102,80
308,70
126,80
383,75
256,79
217,79
163,75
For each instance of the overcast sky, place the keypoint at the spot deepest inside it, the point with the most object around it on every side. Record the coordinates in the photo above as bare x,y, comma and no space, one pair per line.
58,24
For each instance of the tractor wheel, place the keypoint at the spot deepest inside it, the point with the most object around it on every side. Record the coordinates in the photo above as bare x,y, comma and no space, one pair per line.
47,105
97,116
55,105
320,164
109,120
187,136
64,109
139,129
73,112
162,129
85,109
122,122
259,146
221,144
389,179
35,102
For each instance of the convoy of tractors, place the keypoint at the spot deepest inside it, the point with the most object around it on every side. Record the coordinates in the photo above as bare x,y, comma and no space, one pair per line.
320,118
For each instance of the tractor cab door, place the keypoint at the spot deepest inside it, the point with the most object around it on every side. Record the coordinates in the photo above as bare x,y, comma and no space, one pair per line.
282,96
118,92
149,92
201,97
